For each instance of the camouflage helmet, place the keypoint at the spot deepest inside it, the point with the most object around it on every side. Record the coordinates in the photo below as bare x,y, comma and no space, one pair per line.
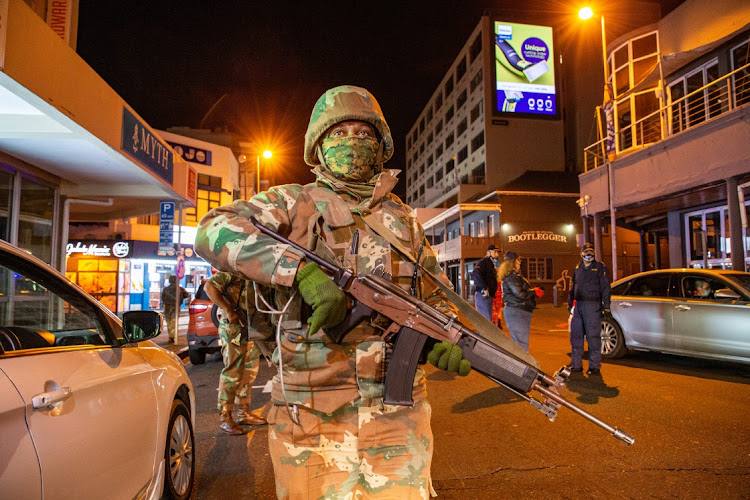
340,104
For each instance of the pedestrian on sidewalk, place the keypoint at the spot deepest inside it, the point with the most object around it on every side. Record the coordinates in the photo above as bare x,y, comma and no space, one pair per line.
168,303
484,275
240,354
519,299
590,291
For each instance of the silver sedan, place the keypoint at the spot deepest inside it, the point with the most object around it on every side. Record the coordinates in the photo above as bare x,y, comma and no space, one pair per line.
89,407
690,312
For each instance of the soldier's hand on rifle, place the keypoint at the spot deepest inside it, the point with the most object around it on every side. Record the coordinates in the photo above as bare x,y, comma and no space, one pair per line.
326,298
447,356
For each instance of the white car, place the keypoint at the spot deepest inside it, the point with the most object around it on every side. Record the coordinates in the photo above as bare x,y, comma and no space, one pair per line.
89,407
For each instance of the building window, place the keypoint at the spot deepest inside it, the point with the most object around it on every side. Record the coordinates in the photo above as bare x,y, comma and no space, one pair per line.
461,69
477,175
491,225
429,114
449,166
482,228
448,141
429,160
149,220
415,136
449,114
538,269
463,154
627,72
421,190
438,101
421,169
421,125
473,229
476,47
421,148
741,79
691,102
430,182
477,111
438,175
476,81
35,219
439,150
477,142
429,138
461,128
208,197
449,86
461,99
438,127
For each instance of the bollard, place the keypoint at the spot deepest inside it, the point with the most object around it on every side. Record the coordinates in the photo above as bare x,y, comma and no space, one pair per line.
555,298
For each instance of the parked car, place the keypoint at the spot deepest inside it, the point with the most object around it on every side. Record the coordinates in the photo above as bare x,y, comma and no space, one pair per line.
203,326
89,406
690,312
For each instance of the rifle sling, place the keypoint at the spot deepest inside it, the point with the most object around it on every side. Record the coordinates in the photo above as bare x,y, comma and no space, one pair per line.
483,326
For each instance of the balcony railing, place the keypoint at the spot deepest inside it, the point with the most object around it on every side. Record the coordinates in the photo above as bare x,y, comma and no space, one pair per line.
720,96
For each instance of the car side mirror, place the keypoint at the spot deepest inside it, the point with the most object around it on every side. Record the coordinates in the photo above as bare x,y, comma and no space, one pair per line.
726,293
138,326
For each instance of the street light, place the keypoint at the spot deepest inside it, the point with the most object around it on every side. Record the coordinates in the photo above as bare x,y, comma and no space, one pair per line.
266,154
584,14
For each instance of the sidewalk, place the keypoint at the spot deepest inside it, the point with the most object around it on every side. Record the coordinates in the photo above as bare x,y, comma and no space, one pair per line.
181,347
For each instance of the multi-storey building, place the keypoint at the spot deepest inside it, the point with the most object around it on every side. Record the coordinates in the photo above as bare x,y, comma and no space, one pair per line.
675,167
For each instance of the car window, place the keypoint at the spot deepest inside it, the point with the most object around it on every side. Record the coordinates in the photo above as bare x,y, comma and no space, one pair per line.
201,293
37,311
652,285
700,287
742,279
620,288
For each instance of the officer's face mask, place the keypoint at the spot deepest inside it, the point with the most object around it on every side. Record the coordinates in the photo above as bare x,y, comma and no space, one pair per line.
350,158
588,258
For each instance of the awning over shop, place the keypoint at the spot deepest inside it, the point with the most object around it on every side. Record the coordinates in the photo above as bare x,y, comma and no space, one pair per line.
59,116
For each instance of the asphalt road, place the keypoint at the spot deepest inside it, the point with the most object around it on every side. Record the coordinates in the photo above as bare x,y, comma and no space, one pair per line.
688,417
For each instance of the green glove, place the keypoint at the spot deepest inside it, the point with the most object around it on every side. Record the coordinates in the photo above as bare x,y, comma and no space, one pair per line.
447,356
327,300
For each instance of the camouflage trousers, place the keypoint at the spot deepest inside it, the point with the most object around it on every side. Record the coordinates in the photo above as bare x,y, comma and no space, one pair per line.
355,453
171,324
241,363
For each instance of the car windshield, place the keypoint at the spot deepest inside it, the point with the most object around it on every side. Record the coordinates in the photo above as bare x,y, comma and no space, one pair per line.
742,279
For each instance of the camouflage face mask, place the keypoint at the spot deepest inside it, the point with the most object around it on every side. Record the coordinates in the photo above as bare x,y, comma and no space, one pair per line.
350,158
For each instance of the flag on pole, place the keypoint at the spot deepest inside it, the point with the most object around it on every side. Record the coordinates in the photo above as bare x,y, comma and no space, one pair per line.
609,118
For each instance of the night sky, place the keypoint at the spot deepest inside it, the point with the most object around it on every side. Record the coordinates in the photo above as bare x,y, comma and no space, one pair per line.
260,66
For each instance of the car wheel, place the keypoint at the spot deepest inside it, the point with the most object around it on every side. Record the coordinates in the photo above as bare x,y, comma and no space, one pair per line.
216,313
197,356
179,454
613,342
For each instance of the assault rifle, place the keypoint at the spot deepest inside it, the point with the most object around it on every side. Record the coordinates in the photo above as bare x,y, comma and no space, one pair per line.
414,321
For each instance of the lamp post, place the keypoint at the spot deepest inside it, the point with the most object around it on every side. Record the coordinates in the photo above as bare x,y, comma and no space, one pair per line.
266,154
584,14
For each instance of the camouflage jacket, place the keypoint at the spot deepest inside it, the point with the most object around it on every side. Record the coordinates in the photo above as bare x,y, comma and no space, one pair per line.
317,372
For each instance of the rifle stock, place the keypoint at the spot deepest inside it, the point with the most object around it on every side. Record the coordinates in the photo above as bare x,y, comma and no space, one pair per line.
414,321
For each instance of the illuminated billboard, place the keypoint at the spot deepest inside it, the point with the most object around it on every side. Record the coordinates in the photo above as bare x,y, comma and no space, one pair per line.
524,70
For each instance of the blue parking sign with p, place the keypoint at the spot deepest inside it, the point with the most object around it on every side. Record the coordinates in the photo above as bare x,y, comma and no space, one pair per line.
166,212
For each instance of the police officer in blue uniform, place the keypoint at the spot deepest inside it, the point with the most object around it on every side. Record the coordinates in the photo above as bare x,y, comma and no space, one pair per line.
591,292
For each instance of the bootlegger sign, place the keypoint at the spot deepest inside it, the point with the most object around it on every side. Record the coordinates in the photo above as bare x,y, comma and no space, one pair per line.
540,241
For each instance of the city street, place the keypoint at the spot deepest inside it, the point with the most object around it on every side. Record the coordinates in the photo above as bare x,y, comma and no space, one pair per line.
688,418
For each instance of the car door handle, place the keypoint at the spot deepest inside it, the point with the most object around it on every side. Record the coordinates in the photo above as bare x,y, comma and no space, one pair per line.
625,304
682,307
49,400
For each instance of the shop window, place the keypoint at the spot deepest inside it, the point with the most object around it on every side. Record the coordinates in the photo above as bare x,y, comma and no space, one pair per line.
35,219
98,277
538,269
476,47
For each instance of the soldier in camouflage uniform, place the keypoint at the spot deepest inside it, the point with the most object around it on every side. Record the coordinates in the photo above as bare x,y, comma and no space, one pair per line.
241,355
331,435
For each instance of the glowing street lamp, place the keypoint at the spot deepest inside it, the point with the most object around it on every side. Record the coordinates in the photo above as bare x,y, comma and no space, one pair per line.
266,154
584,14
